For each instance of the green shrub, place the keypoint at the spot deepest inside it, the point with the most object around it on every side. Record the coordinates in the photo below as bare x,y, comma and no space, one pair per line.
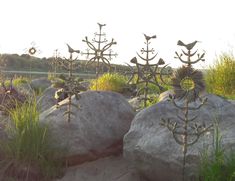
17,81
58,83
220,78
29,147
153,99
20,80
109,82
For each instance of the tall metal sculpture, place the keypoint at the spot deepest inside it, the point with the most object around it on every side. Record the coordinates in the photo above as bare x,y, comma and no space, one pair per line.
100,50
72,86
146,73
187,83
54,62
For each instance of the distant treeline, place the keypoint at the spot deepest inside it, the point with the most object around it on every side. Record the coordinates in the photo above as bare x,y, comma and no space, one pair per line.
26,62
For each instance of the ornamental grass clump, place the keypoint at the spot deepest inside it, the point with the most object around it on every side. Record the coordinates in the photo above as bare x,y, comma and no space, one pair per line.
28,154
216,164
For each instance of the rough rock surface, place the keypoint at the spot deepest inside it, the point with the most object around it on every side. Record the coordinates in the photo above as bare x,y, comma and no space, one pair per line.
232,101
96,128
153,150
47,99
104,169
25,89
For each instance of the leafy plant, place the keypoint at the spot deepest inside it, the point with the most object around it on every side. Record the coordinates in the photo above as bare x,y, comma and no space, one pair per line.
220,78
58,83
28,153
152,99
109,82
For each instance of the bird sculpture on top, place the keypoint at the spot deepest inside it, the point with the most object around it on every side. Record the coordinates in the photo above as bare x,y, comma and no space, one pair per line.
149,37
187,46
72,50
101,25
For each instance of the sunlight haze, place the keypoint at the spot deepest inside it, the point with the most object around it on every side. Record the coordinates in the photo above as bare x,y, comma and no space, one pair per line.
51,24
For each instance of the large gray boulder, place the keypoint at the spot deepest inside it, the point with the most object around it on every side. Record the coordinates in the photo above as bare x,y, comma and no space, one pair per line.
153,150
232,101
25,89
104,169
47,99
96,128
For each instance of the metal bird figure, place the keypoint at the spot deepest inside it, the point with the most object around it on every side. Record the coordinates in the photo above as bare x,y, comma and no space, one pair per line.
100,25
134,60
149,37
72,50
188,46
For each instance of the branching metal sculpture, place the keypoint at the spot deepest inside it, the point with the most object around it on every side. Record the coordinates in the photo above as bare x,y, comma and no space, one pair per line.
146,73
72,86
54,62
189,54
98,53
188,84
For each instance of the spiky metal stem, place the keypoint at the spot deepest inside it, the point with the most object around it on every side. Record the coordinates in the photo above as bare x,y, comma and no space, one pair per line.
71,85
189,129
185,131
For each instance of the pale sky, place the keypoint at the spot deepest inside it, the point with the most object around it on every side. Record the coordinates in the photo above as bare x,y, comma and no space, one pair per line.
53,23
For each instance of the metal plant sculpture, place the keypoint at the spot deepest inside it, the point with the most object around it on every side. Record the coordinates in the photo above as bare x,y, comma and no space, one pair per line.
72,86
98,53
189,54
54,62
146,73
187,84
